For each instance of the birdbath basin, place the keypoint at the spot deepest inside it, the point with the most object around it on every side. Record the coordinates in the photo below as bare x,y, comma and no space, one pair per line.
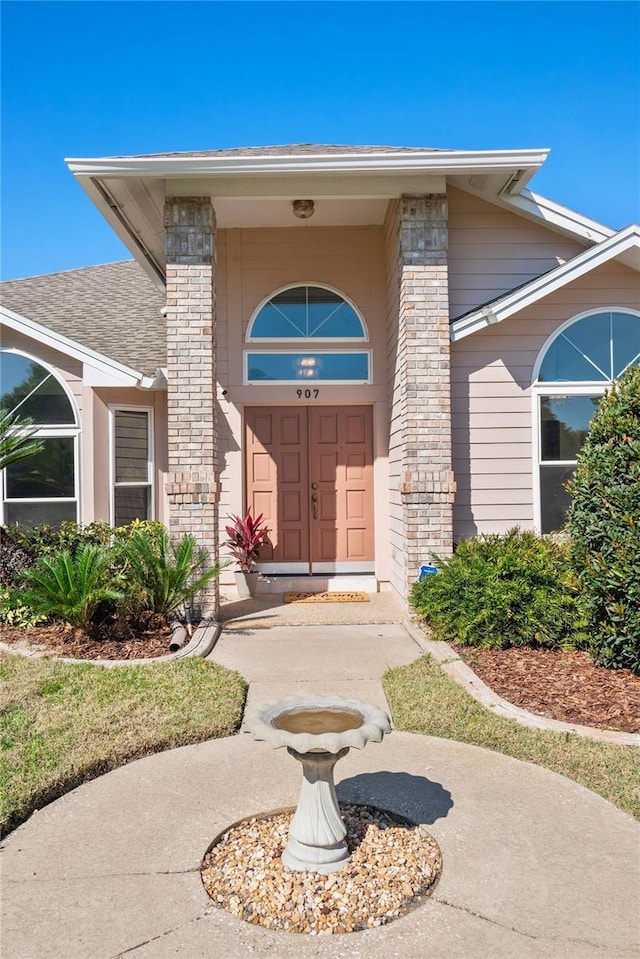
317,731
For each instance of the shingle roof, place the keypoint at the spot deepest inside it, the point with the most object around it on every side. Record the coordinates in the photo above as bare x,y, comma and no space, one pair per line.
113,309
294,149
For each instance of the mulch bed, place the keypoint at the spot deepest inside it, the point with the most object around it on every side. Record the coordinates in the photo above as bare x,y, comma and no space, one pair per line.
64,642
562,685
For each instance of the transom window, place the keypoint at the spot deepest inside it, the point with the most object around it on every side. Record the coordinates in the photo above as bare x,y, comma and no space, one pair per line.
574,369
313,316
41,488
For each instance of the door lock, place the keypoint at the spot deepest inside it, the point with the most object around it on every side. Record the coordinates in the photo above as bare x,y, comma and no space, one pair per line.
314,486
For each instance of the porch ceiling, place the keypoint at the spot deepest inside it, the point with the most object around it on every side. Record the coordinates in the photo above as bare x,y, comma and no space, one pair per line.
257,190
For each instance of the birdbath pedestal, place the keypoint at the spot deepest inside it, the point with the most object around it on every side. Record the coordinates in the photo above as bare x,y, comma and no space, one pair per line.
317,731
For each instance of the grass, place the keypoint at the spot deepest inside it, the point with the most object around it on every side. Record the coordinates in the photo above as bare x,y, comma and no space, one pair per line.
63,723
425,700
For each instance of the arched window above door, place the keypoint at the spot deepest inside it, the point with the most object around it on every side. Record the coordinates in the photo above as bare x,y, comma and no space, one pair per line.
304,313
304,333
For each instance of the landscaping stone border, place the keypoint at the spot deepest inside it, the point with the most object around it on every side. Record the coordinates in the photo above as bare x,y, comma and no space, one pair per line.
458,670
201,644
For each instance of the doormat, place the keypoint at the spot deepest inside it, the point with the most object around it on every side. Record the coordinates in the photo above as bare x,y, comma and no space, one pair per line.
349,596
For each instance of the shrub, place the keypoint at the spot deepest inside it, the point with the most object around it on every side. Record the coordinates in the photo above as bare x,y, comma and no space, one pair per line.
604,520
46,540
69,588
164,576
500,591
14,612
246,538
14,558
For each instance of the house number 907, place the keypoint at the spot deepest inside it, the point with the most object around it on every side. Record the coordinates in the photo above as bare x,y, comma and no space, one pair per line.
308,394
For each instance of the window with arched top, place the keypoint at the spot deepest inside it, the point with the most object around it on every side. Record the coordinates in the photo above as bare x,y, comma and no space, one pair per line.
311,317
41,488
574,368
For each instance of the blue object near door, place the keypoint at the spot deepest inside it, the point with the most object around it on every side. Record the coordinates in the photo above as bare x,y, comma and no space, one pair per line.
427,571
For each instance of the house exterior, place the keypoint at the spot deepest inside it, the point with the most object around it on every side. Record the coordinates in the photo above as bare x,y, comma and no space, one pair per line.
382,349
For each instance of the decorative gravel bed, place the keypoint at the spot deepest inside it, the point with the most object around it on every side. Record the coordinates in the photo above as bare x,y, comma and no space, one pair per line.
393,864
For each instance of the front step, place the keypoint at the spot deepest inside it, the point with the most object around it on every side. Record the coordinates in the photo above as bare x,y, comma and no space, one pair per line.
268,583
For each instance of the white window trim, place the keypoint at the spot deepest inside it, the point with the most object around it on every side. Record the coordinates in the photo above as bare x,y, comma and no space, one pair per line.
565,326
306,339
553,390
556,388
128,408
51,431
308,382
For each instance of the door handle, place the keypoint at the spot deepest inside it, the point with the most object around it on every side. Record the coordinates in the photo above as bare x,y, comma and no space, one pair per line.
314,505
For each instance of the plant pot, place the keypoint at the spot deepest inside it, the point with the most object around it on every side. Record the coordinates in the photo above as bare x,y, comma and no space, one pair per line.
246,584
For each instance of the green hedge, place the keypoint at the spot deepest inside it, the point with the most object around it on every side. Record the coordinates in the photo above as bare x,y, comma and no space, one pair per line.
499,591
604,521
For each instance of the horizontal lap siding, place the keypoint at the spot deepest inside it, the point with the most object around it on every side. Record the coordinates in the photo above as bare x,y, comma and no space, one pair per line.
492,448
226,442
396,524
343,258
491,375
492,415
492,251
252,265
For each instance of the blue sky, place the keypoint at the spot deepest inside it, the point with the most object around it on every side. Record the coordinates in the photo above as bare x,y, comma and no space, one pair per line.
85,79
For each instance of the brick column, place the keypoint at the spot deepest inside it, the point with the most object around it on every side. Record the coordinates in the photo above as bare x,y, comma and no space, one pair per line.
192,480
426,487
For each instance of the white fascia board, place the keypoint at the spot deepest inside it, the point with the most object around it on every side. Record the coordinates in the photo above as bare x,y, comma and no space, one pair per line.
97,369
555,215
445,161
548,283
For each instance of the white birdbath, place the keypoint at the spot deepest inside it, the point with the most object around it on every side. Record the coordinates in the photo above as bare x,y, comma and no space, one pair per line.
317,731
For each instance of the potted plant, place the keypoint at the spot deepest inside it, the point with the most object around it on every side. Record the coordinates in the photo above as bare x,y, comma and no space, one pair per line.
246,538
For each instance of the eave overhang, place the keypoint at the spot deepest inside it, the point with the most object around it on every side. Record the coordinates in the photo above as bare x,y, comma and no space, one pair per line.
437,161
350,188
623,246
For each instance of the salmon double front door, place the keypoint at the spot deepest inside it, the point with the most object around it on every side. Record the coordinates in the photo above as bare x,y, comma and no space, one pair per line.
310,471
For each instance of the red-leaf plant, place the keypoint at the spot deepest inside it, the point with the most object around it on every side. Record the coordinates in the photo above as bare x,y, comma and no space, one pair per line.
246,538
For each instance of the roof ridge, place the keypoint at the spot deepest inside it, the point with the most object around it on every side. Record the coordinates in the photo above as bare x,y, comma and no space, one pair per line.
303,147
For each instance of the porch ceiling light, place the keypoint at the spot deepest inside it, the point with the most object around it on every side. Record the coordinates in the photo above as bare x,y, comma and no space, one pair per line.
303,209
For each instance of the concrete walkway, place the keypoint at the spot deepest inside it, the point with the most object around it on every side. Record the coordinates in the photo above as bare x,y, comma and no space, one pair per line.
340,660
535,866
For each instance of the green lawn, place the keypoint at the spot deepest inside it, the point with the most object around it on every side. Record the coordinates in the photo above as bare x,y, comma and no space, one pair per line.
63,723
425,700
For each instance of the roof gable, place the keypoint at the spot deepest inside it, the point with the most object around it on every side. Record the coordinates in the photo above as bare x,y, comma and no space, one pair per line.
624,245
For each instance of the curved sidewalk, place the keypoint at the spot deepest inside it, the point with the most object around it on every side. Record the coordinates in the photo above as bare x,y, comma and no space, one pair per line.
534,865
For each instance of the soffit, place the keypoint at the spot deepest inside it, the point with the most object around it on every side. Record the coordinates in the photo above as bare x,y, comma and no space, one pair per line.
254,187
